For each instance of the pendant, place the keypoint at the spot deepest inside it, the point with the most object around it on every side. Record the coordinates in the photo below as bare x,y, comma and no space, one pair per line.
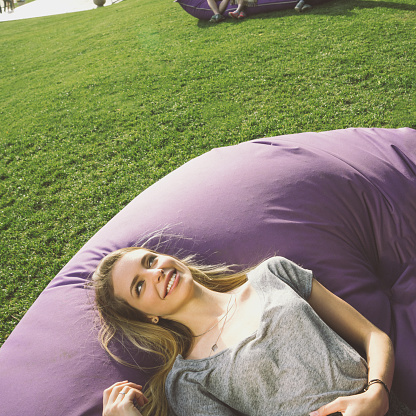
214,348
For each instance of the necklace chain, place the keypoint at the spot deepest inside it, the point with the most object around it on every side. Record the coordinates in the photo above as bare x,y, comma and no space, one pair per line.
216,323
215,346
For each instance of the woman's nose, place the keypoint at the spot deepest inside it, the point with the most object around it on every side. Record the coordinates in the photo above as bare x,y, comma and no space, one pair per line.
158,275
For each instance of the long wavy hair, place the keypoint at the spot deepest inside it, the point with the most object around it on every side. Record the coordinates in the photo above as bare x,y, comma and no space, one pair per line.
168,338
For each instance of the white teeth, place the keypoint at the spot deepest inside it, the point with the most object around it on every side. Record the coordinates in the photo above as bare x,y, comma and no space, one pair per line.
172,279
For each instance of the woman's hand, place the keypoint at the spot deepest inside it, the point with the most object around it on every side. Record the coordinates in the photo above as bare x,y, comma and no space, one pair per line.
120,399
374,402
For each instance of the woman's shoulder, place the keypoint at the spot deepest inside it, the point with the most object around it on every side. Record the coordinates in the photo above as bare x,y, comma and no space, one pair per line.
274,262
276,265
286,271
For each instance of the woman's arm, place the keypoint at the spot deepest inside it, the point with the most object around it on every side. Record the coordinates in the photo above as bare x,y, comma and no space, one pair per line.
361,334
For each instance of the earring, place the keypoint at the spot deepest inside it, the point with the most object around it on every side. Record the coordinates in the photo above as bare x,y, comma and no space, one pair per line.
155,320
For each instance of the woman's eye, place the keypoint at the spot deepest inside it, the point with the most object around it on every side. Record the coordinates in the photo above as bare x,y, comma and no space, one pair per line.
139,288
150,261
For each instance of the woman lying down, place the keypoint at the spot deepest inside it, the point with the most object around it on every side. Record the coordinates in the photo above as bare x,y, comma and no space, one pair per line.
268,341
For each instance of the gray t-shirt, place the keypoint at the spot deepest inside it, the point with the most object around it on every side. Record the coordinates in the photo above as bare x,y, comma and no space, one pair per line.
293,364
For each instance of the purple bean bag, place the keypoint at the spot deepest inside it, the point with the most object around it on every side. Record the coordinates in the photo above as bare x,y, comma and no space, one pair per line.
342,203
201,10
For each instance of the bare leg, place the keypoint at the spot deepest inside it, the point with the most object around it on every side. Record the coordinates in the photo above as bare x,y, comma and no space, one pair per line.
240,7
213,6
223,5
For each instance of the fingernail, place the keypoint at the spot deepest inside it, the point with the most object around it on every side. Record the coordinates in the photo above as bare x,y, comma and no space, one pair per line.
314,414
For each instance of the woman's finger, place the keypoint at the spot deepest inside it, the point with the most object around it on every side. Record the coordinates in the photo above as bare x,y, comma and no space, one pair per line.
123,395
134,385
107,391
136,396
120,395
123,389
120,388
329,408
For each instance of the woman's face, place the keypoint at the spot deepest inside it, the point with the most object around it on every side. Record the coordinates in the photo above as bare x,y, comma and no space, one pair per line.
153,283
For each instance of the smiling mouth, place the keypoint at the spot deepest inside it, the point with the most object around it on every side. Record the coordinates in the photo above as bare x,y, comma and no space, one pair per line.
171,282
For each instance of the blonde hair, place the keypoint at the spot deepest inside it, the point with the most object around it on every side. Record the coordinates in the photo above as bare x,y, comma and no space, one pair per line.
169,338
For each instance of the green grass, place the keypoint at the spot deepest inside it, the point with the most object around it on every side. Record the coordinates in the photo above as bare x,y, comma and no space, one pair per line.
98,105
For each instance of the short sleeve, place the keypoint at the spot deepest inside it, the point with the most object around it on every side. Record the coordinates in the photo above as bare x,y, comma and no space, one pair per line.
298,278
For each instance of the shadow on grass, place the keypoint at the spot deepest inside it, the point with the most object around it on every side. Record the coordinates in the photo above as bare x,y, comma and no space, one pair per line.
385,4
346,7
333,8
340,7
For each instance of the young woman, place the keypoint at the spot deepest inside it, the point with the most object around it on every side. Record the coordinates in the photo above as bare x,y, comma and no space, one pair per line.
268,341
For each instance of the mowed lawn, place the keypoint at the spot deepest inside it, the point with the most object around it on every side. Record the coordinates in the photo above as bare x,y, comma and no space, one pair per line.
98,105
